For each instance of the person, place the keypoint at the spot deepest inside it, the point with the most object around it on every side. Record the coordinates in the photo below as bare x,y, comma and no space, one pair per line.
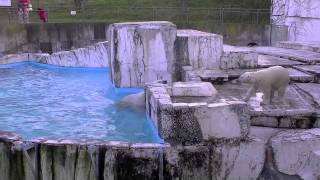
23,10
42,15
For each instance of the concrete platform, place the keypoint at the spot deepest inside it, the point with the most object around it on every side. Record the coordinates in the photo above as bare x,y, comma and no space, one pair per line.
296,112
314,70
265,61
297,55
311,89
221,76
309,46
234,57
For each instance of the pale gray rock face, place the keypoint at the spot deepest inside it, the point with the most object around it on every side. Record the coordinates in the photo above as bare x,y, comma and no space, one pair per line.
302,18
242,161
201,50
311,169
14,58
238,58
292,54
195,89
228,120
292,149
265,61
179,121
91,56
309,46
141,52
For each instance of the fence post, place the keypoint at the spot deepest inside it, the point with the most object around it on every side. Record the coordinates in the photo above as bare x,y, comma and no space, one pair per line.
221,15
187,11
9,16
153,14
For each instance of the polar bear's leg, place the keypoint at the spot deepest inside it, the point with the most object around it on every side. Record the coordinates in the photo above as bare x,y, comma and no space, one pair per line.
272,93
250,93
266,95
282,92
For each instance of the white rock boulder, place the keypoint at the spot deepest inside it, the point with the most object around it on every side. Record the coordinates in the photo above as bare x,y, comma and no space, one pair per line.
141,52
195,89
292,149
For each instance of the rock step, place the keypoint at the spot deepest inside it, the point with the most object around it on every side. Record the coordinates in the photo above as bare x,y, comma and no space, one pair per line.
312,89
265,61
296,55
296,112
308,46
220,76
313,69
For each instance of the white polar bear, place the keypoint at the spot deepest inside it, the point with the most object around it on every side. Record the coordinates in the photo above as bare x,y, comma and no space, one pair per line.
134,100
269,81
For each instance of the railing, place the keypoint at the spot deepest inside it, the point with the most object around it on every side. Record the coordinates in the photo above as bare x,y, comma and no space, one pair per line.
116,14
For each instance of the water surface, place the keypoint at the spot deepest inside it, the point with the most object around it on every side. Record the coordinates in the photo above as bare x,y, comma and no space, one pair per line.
53,102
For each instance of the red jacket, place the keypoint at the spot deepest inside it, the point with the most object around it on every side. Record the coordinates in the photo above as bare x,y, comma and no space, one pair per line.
24,2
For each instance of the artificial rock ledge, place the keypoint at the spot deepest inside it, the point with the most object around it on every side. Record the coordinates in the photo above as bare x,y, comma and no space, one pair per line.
180,122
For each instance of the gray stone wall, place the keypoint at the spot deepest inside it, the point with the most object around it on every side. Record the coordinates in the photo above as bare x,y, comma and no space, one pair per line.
49,37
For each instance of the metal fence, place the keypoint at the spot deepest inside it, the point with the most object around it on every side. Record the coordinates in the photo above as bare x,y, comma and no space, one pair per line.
116,14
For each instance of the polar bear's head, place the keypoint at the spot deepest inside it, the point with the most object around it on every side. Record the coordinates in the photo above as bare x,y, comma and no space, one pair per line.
246,77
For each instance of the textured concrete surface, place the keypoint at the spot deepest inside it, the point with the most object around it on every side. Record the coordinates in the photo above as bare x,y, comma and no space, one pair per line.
141,52
222,76
238,58
297,55
309,46
265,61
198,49
91,56
181,120
314,70
292,149
193,89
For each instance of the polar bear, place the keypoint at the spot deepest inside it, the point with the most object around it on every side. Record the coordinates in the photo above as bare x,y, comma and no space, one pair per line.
269,81
134,100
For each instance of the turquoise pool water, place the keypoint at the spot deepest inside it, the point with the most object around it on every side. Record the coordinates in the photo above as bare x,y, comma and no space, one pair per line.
44,101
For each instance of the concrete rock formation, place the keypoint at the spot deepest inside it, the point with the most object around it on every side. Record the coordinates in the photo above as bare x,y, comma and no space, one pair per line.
201,50
238,58
193,89
91,56
141,52
195,121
